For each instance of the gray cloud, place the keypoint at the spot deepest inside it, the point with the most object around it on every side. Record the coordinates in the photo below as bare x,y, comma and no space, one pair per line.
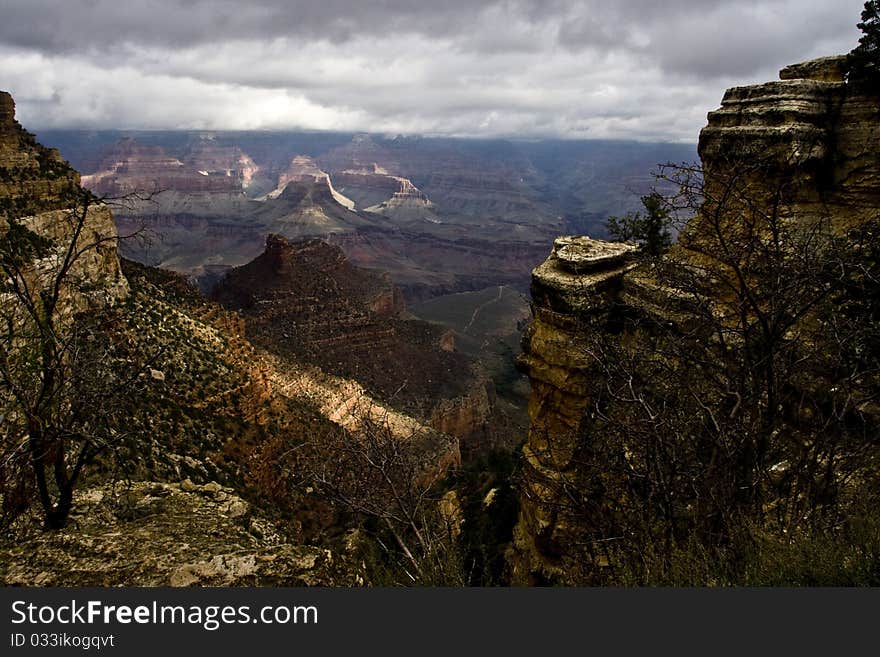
594,68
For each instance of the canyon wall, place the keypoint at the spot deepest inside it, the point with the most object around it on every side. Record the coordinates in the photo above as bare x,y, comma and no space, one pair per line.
810,142
307,302
572,293
811,129
41,192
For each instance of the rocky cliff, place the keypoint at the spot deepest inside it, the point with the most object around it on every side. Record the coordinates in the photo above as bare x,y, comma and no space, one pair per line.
811,130
304,169
213,425
41,192
131,167
572,292
805,148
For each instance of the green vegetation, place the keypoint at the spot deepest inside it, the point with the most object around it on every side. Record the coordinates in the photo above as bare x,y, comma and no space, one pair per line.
864,59
650,230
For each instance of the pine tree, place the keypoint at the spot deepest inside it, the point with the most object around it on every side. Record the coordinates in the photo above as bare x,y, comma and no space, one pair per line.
864,59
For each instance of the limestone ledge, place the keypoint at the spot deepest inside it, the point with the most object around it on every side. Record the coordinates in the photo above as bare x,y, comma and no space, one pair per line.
826,69
578,272
161,534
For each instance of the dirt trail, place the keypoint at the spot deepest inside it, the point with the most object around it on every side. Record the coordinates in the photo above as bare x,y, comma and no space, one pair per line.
482,306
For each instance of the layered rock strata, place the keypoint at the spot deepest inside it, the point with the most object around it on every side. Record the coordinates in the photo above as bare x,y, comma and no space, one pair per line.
809,142
134,168
305,301
810,131
41,192
572,293
304,169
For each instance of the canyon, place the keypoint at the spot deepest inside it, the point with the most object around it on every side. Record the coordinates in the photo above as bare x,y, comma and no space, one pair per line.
326,331
441,216
213,407
305,301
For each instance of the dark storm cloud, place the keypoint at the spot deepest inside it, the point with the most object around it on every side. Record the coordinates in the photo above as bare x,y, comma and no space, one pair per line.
75,24
641,69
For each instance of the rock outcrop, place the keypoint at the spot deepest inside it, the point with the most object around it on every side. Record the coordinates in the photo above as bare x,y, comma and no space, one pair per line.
407,204
206,156
170,534
572,292
134,168
810,131
32,178
382,193
810,141
304,300
41,192
304,169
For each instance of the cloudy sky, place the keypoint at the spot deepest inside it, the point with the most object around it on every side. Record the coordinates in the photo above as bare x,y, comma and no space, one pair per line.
639,69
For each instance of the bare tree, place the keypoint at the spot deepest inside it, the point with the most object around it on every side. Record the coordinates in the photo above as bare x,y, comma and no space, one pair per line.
392,483
63,372
748,397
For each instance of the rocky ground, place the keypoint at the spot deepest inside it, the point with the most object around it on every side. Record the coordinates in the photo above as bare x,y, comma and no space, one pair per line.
168,534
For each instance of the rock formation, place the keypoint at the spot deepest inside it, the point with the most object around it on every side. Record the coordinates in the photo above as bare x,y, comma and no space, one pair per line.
131,167
407,204
307,205
809,141
571,292
207,156
304,169
809,128
304,300
41,192
209,407
367,187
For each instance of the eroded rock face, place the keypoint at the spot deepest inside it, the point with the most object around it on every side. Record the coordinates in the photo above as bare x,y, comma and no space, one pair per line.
571,294
825,69
131,167
96,272
811,132
206,155
811,139
304,169
32,178
365,186
407,204
42,192
304,300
